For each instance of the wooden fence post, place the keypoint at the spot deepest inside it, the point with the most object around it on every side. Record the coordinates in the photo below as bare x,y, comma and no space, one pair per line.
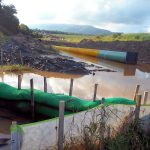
71,87
45,84
14,137
95,92
19,82
61,125
136,91
145,97
138,105
32,98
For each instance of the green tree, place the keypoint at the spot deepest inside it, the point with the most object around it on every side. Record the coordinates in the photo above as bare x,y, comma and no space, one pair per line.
24,29
8,20
0,5
116,35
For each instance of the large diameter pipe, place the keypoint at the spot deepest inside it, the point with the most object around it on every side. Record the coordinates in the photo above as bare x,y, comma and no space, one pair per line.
123,57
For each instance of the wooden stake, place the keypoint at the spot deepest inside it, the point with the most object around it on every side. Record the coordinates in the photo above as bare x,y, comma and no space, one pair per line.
145,97
71,87
19,82
32,98
45,84
61,125
138,105
95,92
14,137
136,91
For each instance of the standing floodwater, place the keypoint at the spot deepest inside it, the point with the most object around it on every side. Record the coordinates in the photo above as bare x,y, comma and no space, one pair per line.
121,83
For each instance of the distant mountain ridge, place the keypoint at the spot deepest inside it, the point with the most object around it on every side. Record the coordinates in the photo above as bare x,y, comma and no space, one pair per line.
71,28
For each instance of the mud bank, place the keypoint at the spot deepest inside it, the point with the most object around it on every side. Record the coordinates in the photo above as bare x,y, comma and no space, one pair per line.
36,54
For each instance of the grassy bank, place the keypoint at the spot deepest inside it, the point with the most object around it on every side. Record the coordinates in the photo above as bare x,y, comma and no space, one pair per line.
128,136
14,68
75,38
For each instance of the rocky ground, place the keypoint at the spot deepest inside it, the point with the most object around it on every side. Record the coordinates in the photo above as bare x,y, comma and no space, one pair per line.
40,55
141,47
33,53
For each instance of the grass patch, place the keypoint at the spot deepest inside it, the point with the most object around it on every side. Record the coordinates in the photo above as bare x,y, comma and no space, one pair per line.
75,38
15,68
129,135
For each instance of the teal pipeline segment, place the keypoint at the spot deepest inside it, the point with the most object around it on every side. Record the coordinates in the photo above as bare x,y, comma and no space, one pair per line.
123,57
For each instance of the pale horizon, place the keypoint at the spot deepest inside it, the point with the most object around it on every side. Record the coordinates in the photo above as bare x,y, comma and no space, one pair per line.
114,15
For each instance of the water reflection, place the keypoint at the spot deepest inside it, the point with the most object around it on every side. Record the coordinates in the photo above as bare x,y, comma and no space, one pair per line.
110,84
125,69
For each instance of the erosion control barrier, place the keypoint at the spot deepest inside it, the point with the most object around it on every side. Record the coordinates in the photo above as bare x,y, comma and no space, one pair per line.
46,104
123,57
44,135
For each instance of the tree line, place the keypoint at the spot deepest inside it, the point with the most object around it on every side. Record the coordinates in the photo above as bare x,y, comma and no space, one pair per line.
8,20
9,23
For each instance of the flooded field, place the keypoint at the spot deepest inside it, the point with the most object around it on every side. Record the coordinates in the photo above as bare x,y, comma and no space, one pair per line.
121,83
111,84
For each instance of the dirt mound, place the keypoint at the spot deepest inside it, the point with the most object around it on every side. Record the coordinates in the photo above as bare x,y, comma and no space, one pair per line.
37,54
142,47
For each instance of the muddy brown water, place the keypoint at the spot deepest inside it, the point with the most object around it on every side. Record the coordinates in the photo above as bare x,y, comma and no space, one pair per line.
111,84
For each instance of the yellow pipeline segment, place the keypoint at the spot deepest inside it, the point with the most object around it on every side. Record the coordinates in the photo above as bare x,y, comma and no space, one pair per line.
83,51
124,57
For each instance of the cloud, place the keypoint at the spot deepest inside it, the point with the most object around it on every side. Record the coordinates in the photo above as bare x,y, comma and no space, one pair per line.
116,15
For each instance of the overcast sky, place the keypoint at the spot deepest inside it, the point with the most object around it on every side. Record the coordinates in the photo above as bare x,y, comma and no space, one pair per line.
114,15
